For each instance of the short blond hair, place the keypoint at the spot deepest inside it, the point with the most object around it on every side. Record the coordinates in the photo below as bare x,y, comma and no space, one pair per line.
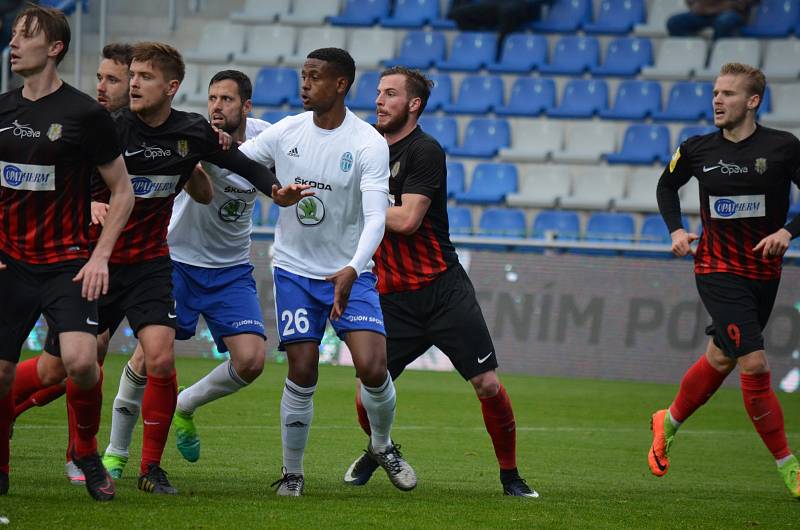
756,81
162,56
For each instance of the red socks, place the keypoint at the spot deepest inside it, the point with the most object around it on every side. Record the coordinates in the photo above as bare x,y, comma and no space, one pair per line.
40,398
698,384
158,406
363,420
765,412
85,408
499,419
26,380
6,417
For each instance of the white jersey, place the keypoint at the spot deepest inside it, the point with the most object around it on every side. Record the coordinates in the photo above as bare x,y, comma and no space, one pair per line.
216,235
319,235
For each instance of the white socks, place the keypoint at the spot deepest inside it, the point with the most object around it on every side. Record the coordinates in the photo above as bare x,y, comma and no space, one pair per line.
127,405
297,411
220,382
380,404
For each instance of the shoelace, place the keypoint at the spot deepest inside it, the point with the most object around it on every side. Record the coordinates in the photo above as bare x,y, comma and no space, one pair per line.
158,476
393,459
291,481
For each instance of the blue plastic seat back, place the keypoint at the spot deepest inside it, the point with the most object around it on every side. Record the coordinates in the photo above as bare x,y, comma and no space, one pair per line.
564,225
275,86
502,222
443,128
460,220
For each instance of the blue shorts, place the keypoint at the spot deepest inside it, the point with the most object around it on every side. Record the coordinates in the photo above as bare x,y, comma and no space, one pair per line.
303,304
226,297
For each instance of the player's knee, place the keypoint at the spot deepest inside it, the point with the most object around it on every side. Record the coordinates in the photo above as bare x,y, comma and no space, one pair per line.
753,363
161,364
83,371
52,374
374,376
486,385
249,367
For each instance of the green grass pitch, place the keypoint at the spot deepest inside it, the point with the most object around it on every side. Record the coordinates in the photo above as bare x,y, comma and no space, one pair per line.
582,444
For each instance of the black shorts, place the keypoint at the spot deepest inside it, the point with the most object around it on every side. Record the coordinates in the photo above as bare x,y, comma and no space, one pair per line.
142,292
739,309
26,291
444,314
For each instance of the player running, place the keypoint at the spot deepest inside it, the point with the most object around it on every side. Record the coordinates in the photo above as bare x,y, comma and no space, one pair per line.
212,275
745,172
426,296
52,138
323,251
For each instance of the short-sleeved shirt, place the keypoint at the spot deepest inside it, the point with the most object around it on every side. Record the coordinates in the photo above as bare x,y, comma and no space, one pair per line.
406,263
319,235
217,234
49,149
744,197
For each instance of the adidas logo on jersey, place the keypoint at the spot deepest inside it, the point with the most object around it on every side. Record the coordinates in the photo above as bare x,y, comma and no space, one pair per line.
293,152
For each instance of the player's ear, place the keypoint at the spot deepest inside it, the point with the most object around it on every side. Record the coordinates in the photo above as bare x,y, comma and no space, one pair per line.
414,104
753,102
55,49
247,108
173,87
342,84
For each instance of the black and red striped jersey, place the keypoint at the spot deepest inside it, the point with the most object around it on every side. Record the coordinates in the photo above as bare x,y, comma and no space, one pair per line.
744,196
407,263
160,160
49,149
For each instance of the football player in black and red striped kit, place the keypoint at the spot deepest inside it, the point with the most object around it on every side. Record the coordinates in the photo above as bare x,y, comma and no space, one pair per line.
745,172
426,296
52,137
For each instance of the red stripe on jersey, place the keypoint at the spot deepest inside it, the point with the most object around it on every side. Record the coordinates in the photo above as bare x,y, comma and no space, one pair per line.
407,263
438,266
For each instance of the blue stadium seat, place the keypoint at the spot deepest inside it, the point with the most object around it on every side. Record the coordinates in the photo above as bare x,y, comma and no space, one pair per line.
608,227
258,213
272,214
522,52
441,93
471,51
617,17
483,138
478,94
530,96
583,98
420,49
460,220
443,22
562,224
772,19
635,100
565,16
502,222
365,92
643,144
411,14
491,182
693,130
766,102
573,55
688,101
276,115
654,232
444,129
276,86
625,57
361,13
456,178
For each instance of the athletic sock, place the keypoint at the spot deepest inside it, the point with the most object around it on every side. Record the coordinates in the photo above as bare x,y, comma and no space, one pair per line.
380,404
85,405
26,380
765,412
498,416
698,384
220,382
6,417
363,419
158,406
297,411
40,398
125,413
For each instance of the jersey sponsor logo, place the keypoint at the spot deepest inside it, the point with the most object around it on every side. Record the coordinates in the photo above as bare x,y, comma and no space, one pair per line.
293,152
310,211
22,130
54,132
183,147
674,161
346,162
231,189
150,151
28,177
232,210
726,168
313,183
151,186
761,165
737,206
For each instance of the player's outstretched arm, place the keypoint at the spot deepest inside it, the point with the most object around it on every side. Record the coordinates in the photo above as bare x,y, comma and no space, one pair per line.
261,177
373,205
94,274
199,186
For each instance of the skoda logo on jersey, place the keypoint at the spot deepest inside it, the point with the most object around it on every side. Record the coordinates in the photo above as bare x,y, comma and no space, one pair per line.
13,175
346,163
310,211
232,210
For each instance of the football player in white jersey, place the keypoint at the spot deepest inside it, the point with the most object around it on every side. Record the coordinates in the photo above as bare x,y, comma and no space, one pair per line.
209,245
323,257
